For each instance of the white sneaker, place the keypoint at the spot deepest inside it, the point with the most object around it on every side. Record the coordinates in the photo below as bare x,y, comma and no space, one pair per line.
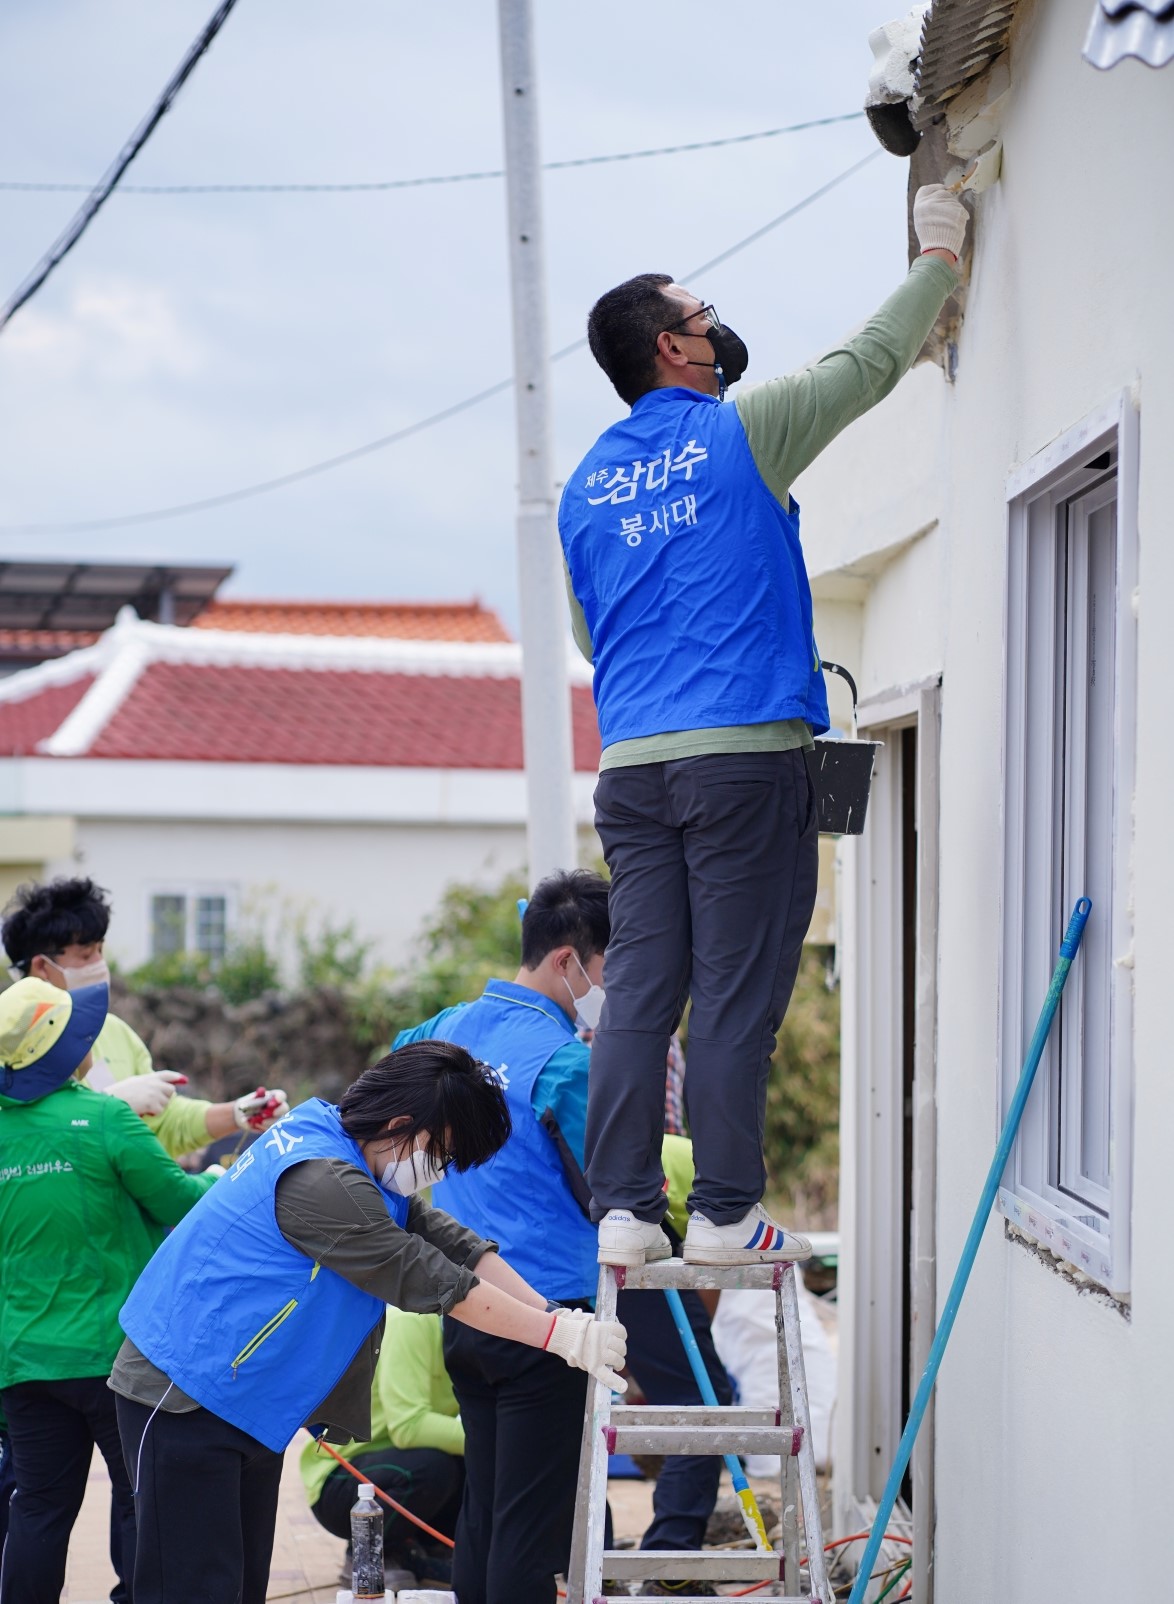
623,1239
754,1239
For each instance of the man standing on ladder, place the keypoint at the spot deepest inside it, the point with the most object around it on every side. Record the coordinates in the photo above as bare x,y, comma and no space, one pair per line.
689,594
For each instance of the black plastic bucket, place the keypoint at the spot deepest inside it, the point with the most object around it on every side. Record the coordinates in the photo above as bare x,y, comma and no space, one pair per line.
843,775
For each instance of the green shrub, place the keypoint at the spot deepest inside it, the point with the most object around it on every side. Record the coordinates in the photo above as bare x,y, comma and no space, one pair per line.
331,955
248,970
171,969
803,1099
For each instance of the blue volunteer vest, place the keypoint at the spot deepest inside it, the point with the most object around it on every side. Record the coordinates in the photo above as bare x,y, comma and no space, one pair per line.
521,1197
244,1323
690,575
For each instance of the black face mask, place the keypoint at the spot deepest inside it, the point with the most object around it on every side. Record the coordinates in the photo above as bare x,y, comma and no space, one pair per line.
732,357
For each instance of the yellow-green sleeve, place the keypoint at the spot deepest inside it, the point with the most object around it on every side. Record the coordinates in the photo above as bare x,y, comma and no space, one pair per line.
413,1388
182,1126
676,1159
578,622
789,421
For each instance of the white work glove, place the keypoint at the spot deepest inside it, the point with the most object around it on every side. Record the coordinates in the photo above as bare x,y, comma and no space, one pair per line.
939,219
256,1111
147,1094
597,1346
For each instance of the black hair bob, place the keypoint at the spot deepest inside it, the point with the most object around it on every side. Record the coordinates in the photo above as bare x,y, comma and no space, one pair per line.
45,919
438,1089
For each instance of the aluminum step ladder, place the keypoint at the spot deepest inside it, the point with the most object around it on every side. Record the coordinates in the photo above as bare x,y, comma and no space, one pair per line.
609,1427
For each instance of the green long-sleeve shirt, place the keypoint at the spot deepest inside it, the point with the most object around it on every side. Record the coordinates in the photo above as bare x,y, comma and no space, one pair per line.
86,1193
788,422
412,1401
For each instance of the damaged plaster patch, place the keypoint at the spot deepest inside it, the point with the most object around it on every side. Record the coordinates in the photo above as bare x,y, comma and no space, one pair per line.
1085,1286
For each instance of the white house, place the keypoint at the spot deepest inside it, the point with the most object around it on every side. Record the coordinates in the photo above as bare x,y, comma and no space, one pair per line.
990,552
205,774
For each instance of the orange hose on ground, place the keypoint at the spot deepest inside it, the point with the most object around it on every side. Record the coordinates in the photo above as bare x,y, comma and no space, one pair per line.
386,1497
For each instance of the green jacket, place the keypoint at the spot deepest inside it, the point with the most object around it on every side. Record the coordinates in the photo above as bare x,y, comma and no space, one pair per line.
86,1192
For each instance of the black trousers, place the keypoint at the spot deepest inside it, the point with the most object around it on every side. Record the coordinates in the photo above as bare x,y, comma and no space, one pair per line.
206,1505
686,1489
522,1411
427,1481
714,863
52,1429
7,1484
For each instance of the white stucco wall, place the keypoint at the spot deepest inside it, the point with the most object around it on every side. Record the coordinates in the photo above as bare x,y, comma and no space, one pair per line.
1053,1411
375,846
386,878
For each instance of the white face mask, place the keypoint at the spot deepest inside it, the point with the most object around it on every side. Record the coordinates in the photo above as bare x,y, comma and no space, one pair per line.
412,1173
589,1006
96,973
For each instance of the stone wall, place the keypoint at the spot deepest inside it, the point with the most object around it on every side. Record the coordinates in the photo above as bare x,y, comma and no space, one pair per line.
301,1042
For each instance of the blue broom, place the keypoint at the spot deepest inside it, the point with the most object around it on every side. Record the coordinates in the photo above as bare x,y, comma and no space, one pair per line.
1068,950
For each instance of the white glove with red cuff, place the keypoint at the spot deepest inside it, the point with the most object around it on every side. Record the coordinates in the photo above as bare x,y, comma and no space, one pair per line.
147,1094
597,1346
256,1111
939,219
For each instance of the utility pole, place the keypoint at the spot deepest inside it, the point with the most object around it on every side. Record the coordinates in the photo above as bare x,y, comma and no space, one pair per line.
546,701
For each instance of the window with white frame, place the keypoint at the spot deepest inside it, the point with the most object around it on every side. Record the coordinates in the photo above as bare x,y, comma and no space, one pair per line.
1070,716
190,920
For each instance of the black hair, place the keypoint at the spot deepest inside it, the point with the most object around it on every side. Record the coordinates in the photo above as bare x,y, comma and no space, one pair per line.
45,919
622,328
567,909
438,1088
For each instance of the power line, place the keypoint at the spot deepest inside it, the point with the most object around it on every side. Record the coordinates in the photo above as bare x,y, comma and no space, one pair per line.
382,185
98,196
262,487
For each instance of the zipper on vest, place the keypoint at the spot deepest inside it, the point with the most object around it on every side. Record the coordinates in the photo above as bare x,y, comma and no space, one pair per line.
263,1335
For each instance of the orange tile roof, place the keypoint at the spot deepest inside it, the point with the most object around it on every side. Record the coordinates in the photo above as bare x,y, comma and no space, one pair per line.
189,712
41,643
35,718
455,621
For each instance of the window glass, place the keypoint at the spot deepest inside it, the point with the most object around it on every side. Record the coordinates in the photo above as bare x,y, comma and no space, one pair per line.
212,926
168,925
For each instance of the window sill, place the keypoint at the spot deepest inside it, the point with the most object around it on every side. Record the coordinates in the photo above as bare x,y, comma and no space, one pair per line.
1088,1251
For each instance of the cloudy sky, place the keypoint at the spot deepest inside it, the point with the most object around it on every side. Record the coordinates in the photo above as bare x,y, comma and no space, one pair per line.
194,344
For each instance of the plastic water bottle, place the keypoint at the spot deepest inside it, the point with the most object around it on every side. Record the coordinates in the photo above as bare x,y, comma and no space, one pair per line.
367,1546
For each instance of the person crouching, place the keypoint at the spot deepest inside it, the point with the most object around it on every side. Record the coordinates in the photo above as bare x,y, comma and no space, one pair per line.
263,1312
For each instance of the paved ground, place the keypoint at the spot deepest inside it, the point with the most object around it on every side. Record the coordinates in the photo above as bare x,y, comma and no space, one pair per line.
306,1559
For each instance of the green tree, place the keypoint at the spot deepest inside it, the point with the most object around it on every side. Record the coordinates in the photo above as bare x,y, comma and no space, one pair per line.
803,1099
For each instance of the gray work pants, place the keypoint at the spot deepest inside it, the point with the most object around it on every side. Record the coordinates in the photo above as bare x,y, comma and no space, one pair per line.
714,863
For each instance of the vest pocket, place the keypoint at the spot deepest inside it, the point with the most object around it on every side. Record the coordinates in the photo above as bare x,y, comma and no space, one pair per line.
263,1335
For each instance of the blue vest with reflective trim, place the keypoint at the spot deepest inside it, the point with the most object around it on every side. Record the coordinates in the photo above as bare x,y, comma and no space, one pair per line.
521,1197
244,1323
690,575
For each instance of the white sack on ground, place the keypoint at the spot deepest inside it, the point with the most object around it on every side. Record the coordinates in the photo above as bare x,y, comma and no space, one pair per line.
744,1334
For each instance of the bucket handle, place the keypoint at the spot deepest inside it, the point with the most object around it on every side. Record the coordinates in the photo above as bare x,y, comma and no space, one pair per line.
838,668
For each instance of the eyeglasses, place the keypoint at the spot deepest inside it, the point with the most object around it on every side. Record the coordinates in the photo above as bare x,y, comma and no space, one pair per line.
709,313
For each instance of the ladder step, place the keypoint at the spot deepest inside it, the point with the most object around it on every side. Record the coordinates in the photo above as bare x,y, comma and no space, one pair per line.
735,1416
760,1598
703,1277
707,1564
623,1439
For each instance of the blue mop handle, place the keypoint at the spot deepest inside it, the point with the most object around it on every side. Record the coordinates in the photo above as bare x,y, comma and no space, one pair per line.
701,1377
1068,950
